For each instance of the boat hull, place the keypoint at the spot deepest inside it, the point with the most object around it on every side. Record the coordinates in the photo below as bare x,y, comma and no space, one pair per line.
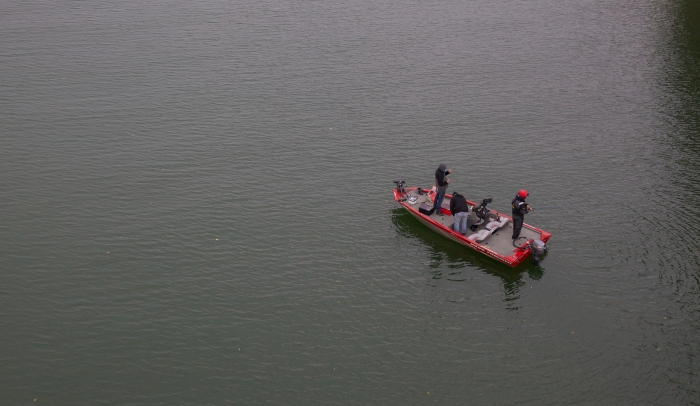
440,225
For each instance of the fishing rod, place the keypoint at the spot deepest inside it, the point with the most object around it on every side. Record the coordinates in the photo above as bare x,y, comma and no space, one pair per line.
546,207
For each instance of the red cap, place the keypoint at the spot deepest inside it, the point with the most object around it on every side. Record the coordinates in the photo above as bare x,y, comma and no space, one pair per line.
523,193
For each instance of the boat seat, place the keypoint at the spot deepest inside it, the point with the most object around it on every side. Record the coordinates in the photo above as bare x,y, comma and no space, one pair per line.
480,236
489,229
493,226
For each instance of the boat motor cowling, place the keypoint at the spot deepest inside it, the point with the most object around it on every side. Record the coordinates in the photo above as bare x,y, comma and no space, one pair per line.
538,249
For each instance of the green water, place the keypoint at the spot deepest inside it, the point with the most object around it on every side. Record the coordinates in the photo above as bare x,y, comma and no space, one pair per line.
196,202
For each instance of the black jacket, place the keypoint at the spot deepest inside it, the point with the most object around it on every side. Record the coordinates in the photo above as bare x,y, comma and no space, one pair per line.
458,204
519,207
441,177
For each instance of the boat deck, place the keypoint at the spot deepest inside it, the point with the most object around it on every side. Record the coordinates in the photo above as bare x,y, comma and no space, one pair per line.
500,241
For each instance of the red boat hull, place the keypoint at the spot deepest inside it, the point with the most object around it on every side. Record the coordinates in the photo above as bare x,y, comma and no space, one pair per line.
519,254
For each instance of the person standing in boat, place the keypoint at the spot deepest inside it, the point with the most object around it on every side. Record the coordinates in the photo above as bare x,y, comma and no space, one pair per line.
441,182
460,209
520,208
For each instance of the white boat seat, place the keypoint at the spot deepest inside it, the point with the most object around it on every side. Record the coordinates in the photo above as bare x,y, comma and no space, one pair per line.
495,225
492,226
483,235
480,236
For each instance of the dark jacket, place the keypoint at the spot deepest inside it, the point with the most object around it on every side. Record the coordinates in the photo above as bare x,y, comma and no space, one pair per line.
440,178
519,207
458,204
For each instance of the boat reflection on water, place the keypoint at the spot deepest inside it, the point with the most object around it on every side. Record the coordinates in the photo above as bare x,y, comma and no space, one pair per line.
447,253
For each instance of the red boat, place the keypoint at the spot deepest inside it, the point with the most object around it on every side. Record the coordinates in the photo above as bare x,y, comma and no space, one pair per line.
491,231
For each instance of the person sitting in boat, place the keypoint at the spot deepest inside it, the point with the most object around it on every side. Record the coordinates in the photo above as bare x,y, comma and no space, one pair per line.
520,208
441,182
460,209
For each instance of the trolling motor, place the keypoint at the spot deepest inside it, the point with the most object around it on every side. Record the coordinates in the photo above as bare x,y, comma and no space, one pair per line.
399,188
482,213
400,185
538,248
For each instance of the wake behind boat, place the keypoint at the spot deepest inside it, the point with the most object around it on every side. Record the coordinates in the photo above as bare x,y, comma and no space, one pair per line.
489,231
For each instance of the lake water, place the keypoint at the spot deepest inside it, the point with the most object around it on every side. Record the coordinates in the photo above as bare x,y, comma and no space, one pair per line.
196,202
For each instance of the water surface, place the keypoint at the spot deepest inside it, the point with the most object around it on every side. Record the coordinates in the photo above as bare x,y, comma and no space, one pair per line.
196,202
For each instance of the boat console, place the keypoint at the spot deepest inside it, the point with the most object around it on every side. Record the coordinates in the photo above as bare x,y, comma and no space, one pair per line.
482,213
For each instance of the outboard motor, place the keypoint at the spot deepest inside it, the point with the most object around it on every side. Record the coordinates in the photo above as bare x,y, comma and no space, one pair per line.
399,185
538,248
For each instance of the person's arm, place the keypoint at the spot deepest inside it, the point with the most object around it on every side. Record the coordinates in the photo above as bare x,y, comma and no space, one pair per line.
524,208
452,205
